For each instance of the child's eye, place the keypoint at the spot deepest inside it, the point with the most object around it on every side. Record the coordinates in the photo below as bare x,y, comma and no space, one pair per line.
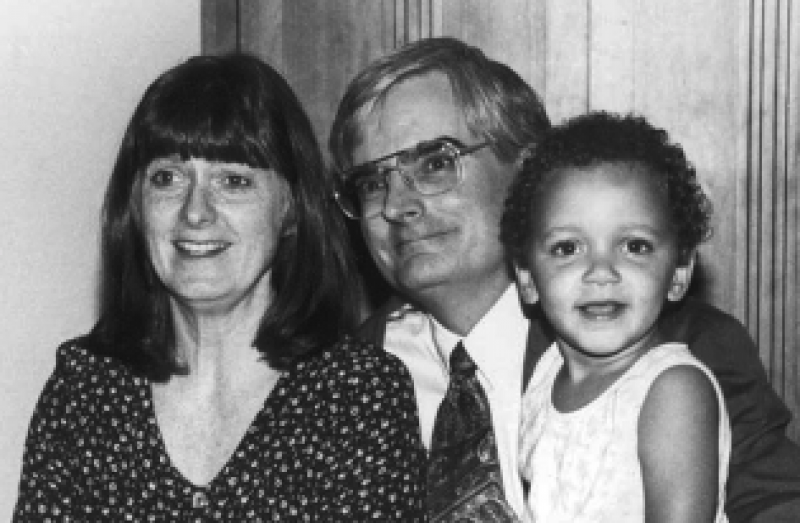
565,248
638,246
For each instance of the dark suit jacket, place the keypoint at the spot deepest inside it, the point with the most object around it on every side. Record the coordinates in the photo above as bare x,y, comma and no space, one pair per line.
765,464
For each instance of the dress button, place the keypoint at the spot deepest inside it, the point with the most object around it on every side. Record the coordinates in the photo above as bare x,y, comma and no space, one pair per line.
199,500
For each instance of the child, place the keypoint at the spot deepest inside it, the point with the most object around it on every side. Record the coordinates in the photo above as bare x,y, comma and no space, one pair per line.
618,424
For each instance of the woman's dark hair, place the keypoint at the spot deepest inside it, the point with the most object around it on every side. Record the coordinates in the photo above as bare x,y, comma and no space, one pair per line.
601,137
236,109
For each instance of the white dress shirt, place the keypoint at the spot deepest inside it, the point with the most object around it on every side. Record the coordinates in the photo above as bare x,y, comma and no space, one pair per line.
497,346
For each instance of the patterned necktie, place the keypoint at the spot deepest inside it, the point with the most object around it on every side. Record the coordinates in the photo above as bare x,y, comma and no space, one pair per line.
464,479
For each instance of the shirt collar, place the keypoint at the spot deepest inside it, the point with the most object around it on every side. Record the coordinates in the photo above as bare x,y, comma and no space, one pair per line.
496,343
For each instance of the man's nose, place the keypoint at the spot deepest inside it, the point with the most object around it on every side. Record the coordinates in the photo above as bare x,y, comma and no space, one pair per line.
402,201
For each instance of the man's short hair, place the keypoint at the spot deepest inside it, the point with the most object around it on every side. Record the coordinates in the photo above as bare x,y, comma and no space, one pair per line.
498,104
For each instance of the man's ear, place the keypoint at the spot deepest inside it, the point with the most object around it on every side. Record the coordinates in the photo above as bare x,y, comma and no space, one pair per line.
527,289
524,153
682,277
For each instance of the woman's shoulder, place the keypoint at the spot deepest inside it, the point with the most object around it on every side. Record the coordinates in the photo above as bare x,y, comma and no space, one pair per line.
353,364
85,390
77,358
353,356
79,370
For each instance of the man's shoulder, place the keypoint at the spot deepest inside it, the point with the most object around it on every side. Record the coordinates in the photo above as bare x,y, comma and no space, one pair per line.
692,319
373,328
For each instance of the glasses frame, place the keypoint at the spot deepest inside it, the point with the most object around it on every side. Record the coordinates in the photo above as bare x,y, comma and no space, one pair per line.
458,149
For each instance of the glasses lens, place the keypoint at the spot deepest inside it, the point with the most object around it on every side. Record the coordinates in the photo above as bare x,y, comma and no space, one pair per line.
362,190
430,168
435,168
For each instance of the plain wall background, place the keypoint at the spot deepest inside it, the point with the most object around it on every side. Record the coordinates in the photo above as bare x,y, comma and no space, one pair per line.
71,73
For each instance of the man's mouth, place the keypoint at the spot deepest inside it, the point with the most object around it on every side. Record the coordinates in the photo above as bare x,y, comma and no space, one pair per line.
410,243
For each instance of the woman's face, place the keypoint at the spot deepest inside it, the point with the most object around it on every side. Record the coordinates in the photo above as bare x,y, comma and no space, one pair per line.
212,228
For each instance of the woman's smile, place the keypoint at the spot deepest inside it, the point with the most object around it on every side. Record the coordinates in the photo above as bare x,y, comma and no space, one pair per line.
200,248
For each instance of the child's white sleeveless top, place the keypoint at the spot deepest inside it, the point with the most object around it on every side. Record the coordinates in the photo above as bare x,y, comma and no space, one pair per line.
583,466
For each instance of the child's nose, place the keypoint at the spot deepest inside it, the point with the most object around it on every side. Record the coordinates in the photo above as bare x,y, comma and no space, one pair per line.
601,270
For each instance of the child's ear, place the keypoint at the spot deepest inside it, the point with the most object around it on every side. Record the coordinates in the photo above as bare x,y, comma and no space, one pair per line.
527,289
682,277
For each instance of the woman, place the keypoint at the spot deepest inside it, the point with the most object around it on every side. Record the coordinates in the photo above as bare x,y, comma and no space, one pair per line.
212,388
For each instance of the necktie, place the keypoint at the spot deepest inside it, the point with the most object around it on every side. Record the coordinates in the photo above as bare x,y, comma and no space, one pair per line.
464,479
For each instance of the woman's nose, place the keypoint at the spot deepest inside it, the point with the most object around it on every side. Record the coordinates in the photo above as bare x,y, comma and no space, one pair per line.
198,208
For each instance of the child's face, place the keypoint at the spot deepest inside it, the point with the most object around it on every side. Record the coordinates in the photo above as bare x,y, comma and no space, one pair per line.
602,257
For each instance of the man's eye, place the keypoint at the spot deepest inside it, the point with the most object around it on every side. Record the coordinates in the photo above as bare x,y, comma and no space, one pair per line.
371,185
437,162
565,248
638,246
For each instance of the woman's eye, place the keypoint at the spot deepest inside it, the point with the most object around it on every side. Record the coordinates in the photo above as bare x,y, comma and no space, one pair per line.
638,246
162,178
237,181
564,248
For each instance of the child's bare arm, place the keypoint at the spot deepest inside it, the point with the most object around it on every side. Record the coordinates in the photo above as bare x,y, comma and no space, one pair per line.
678,447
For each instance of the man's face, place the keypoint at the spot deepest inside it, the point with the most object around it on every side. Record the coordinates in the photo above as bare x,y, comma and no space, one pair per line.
443,247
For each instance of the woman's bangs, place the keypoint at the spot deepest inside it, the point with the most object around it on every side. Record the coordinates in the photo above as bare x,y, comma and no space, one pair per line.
219,140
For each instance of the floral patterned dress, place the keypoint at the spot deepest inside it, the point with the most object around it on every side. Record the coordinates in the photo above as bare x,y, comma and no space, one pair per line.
336,440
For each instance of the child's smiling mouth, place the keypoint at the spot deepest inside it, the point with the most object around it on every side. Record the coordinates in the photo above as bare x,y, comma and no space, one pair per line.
601,310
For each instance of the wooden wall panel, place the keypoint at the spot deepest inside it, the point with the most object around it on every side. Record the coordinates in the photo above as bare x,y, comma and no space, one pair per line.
219,26
719,75
512,32
319,46
566,84
770,295
663,60
613,36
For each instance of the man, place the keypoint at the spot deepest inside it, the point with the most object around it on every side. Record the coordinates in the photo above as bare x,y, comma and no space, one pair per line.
429,138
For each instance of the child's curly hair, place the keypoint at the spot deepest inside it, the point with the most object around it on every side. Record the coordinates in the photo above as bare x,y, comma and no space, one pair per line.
601,137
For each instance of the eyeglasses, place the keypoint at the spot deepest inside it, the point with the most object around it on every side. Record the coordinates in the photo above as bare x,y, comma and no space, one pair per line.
429,168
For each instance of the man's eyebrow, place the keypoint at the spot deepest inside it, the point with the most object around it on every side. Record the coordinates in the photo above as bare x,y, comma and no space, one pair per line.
443,138
450,139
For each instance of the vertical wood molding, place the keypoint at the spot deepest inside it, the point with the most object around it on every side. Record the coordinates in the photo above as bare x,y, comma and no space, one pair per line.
611,57
415,20
771,299
261,30
219,30
567,34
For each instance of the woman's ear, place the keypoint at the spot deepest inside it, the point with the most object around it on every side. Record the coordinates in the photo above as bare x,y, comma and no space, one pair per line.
289,216
135,205
682,277
527,289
